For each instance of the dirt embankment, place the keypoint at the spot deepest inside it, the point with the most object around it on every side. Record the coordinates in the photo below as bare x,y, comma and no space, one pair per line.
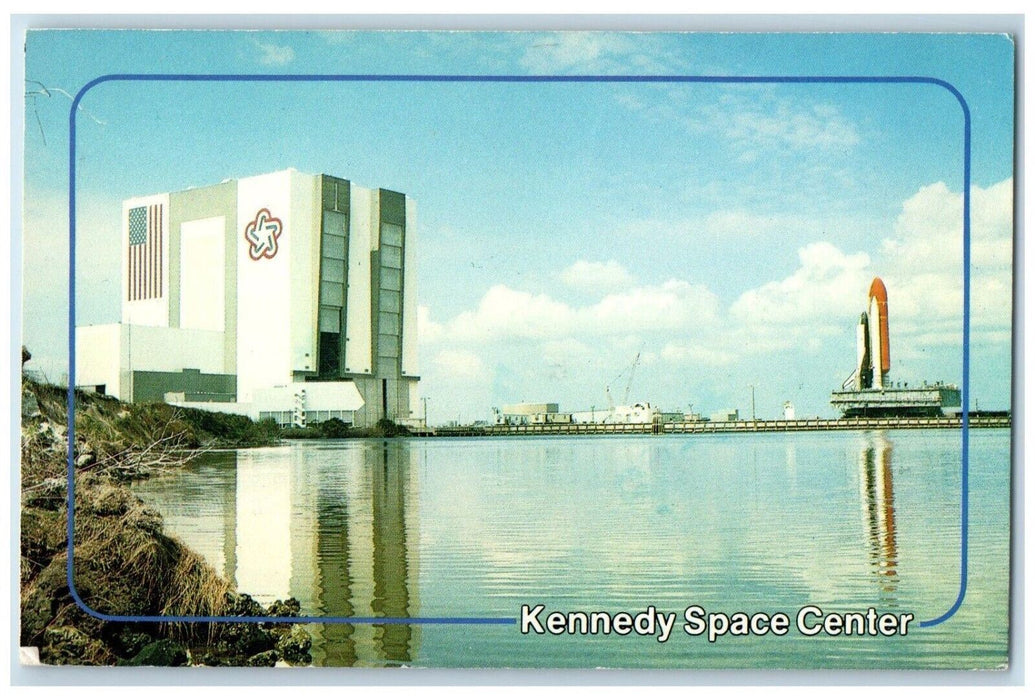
124,563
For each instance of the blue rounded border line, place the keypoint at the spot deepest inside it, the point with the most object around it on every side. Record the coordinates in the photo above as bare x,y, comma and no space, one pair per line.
331,78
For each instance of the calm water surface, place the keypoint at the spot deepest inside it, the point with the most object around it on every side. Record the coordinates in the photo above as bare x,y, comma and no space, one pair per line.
478,527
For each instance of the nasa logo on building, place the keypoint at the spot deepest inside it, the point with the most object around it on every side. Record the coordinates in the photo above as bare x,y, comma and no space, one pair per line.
262,233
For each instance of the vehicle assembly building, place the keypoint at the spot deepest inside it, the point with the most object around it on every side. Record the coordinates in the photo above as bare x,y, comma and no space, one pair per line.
868,391
284,296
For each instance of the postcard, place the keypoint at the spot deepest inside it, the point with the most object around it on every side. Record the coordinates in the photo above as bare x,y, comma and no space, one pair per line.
529,349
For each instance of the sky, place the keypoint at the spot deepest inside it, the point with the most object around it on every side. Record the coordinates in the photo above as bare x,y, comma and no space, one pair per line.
724,233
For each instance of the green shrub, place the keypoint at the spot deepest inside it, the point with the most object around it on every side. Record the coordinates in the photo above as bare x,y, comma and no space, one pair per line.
334,428
389,428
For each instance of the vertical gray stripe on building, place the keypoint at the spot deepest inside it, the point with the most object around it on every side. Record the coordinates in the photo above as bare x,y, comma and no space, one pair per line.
333,285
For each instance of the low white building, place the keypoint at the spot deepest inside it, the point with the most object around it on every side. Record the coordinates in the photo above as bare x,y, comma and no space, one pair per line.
286,295
531,414
640,412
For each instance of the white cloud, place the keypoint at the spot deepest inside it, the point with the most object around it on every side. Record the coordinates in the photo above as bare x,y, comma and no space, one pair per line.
923,259
44,271
921,263
596,277
695,354
428,332
827,283
598,52
723,223
559,352
506,313
460,365
274,55
739,222
674,305
783,123
561,51
515,344
337,36
751,119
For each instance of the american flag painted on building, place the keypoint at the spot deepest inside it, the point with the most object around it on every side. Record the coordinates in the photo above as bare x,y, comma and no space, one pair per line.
144,280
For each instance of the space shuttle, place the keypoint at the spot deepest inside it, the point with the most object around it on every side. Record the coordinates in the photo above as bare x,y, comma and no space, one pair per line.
872,340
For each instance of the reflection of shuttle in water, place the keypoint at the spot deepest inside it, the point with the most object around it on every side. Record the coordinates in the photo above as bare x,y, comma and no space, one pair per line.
878,508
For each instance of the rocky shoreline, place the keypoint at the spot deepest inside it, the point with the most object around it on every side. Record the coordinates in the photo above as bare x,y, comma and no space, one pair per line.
124,563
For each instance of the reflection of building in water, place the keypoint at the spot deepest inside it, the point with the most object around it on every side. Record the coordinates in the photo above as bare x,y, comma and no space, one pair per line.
791,461
878,510
335,528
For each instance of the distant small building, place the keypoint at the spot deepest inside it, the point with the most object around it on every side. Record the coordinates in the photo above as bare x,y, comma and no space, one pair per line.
788,410
531,414
725,415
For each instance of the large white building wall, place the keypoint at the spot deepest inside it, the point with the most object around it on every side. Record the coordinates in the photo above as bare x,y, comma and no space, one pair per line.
305,266
363,217
146,312
108,354
264,303
202,274
409,314
414,403
99,358
320,396
156,349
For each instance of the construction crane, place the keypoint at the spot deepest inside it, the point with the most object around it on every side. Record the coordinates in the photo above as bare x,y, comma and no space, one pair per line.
628,386
632,373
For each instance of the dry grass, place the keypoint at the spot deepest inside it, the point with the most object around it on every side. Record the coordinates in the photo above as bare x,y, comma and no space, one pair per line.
124,563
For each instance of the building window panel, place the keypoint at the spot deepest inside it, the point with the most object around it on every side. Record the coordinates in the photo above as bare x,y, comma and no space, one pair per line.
328,195
331,294
391,234
389,323
391,279
330,319
343,196
389,301
332,270
329,354
388,345
334,247
391,256
335,223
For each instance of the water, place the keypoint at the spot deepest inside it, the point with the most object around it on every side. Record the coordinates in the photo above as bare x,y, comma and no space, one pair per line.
478,527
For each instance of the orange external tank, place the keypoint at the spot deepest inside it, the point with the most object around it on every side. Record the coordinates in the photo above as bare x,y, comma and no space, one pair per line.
879,293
